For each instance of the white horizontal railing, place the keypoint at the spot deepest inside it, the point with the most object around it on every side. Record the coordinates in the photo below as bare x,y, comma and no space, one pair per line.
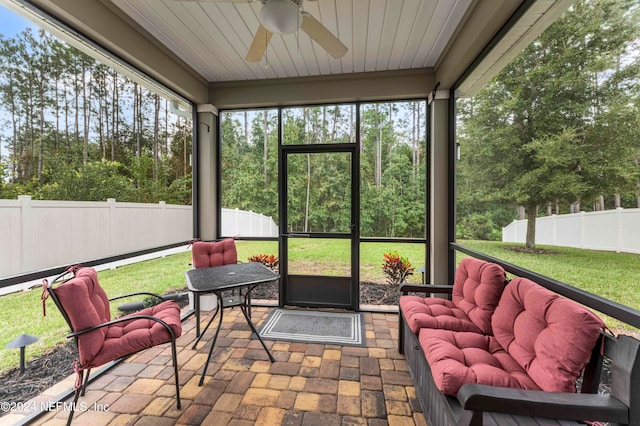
610,230
43,234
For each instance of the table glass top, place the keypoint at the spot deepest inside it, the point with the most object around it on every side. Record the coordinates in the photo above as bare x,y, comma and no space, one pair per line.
229,276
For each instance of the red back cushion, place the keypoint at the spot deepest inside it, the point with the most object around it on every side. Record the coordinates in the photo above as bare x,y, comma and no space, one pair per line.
551,337
205,254
86,305
477,290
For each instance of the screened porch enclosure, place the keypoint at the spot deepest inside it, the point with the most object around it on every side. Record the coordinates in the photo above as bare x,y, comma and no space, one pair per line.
350,158
334,177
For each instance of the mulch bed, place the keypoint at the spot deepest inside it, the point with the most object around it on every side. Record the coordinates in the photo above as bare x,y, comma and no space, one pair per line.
39,375
379,294
57,363
522,249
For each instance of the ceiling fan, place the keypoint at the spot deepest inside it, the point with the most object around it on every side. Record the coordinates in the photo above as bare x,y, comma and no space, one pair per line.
285,17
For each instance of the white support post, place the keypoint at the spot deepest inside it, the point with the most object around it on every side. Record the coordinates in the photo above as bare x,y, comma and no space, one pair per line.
439,181
26,224
112,225
619,213
207,171
164,222
583,230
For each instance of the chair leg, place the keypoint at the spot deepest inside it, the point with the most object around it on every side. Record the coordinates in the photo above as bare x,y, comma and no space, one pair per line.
175,371
75,398
85,382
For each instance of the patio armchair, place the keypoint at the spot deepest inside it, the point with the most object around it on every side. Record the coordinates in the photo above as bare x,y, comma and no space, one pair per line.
83,303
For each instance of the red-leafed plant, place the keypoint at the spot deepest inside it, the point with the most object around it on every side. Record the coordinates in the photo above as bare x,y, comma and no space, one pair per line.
268,260
396,268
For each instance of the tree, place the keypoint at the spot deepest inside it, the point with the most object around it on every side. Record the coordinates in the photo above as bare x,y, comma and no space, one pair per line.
530,136
319,184
94,181
63,112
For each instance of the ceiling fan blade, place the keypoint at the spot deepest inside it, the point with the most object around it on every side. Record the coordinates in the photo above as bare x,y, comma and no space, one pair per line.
259,45
321,35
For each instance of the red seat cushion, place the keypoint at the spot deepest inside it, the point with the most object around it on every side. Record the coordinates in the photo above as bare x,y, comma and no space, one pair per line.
433,312
458,358
128,337
476,292
216,253
550,336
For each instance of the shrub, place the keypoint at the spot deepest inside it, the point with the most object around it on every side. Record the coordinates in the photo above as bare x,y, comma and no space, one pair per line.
268,260
396,268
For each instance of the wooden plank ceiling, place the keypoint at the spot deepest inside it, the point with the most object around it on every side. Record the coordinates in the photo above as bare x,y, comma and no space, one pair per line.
214,37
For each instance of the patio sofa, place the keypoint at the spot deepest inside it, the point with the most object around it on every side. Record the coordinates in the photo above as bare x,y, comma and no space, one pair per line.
501,353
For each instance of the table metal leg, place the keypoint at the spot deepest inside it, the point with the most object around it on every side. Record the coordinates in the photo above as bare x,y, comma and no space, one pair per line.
253,328
205,328
213,343
245,307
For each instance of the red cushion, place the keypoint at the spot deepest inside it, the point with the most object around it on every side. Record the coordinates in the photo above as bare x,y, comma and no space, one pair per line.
433,312
551,337
128,337
206,254
86,305
477,290
458,358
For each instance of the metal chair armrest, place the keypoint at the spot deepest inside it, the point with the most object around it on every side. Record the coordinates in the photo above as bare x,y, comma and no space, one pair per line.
142,293
123,319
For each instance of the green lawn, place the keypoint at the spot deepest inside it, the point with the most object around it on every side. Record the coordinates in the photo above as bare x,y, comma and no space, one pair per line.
615,276
612,275
334,255
22,312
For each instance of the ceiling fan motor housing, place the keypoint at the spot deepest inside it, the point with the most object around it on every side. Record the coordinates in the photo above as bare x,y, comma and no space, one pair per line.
280,16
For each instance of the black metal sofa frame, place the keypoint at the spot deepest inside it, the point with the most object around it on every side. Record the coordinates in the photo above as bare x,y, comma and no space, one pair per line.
489,405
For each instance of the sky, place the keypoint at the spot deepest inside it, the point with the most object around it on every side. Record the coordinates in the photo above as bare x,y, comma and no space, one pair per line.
11,23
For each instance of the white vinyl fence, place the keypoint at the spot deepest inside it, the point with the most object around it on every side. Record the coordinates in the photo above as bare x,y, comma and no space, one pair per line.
38,234
242,223
610,230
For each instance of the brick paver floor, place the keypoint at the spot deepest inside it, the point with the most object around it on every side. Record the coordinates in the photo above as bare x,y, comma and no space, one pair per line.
309,384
